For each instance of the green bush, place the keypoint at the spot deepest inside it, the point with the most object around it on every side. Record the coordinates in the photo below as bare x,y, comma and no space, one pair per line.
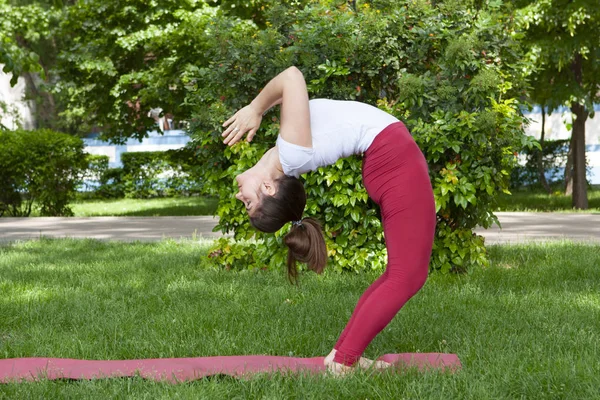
111,184
450,73
158,173
144,175
101,181
95,172
42,167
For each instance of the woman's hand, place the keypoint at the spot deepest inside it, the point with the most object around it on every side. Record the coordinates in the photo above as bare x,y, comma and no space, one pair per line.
245,121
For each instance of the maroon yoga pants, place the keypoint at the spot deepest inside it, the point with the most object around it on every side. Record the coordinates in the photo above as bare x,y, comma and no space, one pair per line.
396,177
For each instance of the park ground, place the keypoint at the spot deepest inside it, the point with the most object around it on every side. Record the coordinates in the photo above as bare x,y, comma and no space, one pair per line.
525,327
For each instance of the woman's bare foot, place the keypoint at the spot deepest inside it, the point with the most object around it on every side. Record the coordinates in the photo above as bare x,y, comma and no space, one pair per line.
338,370
365,363
329,358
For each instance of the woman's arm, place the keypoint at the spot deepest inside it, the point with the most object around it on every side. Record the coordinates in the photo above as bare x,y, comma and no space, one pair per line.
288,89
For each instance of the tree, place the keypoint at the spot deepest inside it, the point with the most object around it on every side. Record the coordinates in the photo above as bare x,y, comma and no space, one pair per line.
563,35
19,24
119,58
109,51
22,27
31,45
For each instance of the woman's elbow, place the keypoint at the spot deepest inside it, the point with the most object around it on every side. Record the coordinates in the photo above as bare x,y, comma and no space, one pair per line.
293,71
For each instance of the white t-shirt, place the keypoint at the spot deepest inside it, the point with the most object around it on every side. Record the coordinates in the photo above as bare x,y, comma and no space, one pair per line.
339,129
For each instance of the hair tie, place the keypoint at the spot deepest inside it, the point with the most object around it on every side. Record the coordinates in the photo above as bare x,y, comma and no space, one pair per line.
297,223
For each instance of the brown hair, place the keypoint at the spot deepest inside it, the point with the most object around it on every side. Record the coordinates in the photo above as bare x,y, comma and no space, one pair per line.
305,240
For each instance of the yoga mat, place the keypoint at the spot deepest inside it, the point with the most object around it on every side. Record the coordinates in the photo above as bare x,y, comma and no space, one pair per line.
186,369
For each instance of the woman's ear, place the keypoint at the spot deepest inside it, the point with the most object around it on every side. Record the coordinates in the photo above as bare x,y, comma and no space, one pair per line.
269,188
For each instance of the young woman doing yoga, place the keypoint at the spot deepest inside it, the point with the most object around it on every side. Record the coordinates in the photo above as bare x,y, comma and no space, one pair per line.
316,133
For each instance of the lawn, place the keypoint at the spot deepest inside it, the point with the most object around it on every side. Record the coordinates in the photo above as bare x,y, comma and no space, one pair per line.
527,327
159,207
524,200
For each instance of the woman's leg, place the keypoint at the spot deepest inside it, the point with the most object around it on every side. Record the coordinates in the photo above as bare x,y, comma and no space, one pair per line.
361,301
407,273
396,177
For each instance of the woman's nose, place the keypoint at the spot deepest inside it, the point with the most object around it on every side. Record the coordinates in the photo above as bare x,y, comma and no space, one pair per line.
238,196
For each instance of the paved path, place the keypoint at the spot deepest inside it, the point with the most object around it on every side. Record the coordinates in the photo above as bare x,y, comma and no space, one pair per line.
527,227
517,227
113,228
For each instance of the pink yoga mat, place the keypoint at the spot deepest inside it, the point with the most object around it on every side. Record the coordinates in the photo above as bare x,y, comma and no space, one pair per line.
187,369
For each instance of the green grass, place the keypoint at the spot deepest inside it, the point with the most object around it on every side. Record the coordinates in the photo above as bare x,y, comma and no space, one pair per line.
527,327
541,201
160,207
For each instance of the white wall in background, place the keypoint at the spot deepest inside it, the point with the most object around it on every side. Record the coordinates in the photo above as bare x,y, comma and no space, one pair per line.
556,128
19,110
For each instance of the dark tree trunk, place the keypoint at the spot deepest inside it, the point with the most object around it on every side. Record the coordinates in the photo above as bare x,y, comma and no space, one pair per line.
540,158
569,169
579,199
578,148
45,106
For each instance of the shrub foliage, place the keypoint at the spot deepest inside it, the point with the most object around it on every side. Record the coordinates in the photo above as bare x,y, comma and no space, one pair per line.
157,173
449,71
40,167
554,155
95,174
144,175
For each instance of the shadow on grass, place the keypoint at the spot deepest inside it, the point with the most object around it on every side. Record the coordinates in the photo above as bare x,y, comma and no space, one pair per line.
60,263
561,266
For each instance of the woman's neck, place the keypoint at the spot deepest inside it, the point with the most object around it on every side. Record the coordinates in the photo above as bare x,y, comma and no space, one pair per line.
269,164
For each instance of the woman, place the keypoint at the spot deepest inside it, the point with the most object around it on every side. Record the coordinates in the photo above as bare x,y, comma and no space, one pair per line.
317,133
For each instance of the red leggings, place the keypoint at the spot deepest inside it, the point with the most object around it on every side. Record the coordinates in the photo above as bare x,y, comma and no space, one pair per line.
396,177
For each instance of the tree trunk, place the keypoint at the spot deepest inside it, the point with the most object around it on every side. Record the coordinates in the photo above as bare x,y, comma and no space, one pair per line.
569,169
579,199
578,148
540,158
45,106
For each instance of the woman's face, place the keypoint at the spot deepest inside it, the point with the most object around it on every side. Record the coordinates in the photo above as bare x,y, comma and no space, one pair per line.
251,186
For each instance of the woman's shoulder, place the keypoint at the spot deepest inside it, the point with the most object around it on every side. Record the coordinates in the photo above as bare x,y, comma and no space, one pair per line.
333,101
333,104
323,102
349,109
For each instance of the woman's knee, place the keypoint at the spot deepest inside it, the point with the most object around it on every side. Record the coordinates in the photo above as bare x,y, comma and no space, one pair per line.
408,279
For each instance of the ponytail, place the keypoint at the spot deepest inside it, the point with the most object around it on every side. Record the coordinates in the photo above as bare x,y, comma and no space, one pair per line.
306,244
305,240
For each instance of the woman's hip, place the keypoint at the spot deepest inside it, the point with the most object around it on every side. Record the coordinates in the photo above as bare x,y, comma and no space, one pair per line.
395,167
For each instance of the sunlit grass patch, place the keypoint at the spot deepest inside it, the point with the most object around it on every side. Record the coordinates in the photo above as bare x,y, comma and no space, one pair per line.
159,207
541,201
